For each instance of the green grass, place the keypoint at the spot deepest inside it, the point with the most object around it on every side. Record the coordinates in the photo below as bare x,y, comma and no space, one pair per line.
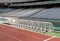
54,34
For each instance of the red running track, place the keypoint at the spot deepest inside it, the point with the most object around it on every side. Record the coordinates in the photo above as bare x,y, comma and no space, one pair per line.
8,33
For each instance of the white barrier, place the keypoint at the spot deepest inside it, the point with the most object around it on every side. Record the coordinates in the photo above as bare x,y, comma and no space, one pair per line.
35,26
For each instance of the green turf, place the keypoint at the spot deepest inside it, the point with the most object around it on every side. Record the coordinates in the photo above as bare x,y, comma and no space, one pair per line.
54,34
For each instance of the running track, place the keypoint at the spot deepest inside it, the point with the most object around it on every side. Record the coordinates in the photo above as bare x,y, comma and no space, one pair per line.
8,33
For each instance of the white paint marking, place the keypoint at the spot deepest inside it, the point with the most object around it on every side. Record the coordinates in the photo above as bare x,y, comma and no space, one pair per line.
50,38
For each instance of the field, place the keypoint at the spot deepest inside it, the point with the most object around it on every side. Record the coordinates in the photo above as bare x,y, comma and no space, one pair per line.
54,34
14,34
9,33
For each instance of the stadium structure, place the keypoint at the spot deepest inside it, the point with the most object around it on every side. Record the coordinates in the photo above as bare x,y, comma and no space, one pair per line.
30,20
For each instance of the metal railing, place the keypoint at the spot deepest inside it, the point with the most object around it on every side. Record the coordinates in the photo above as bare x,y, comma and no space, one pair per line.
35,27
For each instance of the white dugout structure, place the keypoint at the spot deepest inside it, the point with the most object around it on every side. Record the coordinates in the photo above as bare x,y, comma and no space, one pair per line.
36,26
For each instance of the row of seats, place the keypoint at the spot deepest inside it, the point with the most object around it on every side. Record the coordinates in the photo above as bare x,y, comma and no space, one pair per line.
24,12
52,13
4,11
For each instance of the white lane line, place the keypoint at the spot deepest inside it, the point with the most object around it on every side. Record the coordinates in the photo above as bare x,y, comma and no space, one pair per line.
10,36
49,38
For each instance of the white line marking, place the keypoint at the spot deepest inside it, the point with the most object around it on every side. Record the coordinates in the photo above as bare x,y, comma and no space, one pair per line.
50,38
10,36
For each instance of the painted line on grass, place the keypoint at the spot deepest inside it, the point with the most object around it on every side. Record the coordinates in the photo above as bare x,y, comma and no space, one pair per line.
49,38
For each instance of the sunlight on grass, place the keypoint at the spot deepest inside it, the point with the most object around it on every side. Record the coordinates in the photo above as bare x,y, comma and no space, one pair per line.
54,34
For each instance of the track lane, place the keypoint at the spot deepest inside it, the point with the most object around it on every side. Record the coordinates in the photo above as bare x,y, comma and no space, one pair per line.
4,37
17,34
25,34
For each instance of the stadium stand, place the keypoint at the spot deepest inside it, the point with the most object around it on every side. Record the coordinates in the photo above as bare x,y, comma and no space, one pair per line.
35,3
14,12
7,10
21,12
33,13
9,1
52,13
36,13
